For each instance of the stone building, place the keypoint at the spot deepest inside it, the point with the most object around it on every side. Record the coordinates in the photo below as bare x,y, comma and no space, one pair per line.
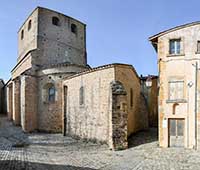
149,85
179,86
51,46
104,104
1,96
53,89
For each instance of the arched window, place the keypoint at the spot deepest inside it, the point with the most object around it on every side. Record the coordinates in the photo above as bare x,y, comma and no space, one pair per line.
55,21
81,95
51,94
22,34
29,25
74,28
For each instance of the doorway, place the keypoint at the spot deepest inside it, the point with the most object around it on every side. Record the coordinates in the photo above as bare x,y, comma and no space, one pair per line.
65,112
176,132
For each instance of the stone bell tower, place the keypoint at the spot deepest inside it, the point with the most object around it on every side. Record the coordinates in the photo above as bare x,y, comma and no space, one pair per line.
51,46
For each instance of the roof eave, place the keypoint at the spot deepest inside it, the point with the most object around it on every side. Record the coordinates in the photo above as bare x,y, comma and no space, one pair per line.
156,36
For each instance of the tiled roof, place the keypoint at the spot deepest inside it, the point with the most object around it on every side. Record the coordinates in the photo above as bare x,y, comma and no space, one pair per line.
101,68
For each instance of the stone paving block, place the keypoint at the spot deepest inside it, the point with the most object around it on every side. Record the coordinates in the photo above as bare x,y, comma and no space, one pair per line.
55,152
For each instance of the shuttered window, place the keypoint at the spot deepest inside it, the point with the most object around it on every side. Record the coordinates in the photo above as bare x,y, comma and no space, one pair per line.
176,90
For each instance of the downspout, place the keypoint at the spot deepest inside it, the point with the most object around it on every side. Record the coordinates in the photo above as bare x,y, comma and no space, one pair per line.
196,72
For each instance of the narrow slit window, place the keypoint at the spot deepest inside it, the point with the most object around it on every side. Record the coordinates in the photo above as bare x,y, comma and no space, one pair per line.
29,25
198,46
131,97
55,21
22,34
81,96
74,28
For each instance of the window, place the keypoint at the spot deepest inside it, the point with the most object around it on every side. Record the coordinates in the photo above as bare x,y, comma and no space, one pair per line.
81,95
22,35
176,90
55,21
174,46
198,46
51,94
29,25
73,28
131,97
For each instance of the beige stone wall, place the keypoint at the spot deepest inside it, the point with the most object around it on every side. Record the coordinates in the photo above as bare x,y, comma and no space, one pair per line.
29,42
16,102
47,53
178,67
137,113
29,87
24,65
58,44
92,120
49,113
10,100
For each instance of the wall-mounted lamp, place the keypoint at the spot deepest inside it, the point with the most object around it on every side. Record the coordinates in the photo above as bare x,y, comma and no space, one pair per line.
190,84
148,82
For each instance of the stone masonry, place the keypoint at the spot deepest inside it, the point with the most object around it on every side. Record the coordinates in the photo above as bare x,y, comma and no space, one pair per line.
48,51
53,89
179,85
119,116
103,109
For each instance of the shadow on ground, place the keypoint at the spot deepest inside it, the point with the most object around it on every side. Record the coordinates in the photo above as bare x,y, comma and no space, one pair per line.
143,137
19,165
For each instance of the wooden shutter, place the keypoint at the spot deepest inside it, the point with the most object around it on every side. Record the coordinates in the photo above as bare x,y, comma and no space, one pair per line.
176,90
172,90
179,90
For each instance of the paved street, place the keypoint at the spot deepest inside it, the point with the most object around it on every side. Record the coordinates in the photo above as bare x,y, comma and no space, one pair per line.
19,151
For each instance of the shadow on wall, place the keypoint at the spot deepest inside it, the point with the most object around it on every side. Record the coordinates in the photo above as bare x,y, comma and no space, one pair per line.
20,165
142,137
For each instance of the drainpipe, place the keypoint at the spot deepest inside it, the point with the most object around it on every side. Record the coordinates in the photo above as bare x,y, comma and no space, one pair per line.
196,72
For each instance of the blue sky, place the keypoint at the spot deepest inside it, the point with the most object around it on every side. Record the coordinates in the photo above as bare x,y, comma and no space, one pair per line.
117,30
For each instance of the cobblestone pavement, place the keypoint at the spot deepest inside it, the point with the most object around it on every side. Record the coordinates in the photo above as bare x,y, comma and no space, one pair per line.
39,151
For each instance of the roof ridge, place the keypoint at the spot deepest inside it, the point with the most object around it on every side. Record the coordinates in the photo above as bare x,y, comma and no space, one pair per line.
99,68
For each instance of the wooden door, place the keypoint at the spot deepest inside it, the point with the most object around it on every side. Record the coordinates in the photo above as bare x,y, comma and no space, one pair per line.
176,132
